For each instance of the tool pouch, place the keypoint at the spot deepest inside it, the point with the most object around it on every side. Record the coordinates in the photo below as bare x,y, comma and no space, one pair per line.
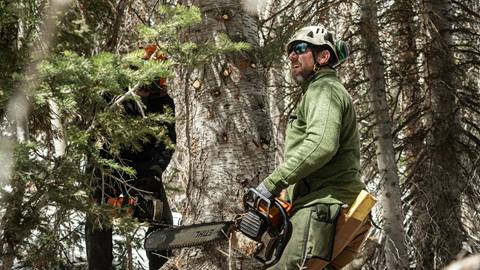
321,233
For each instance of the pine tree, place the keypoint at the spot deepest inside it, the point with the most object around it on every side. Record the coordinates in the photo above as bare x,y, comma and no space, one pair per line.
396,250
47,192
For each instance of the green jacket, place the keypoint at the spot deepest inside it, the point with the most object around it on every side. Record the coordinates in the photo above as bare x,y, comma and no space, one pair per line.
322,147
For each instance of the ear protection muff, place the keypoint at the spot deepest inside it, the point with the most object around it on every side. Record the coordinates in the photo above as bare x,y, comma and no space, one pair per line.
343,51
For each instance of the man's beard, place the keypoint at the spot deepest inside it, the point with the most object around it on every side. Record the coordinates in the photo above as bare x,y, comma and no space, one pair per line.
302,77
299,79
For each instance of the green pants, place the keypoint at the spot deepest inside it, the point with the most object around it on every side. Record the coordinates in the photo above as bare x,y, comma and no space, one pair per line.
313,234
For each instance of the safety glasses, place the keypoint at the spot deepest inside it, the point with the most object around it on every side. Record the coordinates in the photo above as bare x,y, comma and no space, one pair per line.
298,48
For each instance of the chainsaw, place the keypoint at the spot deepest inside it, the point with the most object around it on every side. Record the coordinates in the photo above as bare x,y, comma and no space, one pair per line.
261,232
144,208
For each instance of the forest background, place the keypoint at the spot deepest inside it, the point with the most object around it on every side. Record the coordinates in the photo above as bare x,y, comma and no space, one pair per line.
413,74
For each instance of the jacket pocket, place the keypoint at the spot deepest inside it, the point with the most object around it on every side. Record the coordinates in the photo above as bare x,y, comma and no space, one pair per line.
321,235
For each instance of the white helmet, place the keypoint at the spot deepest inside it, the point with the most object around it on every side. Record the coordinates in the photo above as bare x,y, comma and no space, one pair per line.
319,36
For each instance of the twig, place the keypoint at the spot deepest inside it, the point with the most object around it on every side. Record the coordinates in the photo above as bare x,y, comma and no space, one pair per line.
130,92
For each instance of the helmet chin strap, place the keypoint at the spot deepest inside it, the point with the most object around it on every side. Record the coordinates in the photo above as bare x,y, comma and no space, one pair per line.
316,66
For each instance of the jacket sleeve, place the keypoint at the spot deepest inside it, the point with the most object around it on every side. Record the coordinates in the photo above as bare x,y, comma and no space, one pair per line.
323,117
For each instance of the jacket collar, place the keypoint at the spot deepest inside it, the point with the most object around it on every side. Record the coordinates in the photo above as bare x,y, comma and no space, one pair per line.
326,72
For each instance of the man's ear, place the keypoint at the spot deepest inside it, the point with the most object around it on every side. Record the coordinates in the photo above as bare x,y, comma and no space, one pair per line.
323,57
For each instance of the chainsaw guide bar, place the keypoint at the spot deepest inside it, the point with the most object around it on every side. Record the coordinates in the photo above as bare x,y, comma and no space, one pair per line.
188,236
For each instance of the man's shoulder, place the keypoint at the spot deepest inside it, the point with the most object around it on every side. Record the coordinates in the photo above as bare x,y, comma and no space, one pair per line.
329,84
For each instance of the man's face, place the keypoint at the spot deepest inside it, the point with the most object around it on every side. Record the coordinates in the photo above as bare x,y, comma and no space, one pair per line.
301,61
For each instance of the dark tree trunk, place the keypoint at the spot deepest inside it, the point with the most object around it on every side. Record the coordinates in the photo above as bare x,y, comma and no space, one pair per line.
390,195
438,231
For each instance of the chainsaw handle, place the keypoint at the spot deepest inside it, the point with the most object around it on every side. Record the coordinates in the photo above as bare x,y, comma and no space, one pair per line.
285,232
254,199
276,212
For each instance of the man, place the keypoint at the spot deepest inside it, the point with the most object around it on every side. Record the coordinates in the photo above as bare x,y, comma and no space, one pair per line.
146,187
322,154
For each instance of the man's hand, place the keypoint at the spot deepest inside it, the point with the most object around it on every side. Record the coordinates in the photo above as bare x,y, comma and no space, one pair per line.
262,189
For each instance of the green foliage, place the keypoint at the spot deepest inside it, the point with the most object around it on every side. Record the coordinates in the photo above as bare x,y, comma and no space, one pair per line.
182,49
50,194
85,90
172,20
224,44
14,48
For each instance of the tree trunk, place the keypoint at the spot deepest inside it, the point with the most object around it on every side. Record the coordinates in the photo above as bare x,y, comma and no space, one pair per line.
439,233
58,137
129,252
224,139
276,104
390,197
405,79
275,79
468,263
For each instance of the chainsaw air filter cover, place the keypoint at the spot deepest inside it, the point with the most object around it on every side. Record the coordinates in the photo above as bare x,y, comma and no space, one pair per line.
253,225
